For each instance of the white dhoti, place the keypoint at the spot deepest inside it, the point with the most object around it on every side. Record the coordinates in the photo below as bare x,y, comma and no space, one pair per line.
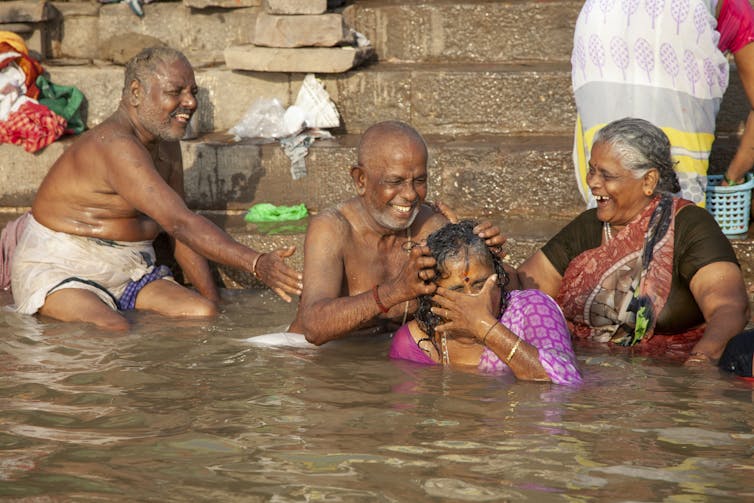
46,261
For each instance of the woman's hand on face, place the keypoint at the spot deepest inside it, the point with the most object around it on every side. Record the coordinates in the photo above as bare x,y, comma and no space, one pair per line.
467,314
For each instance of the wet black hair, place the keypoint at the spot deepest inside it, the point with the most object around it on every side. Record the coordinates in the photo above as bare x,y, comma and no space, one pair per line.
738,354
449,242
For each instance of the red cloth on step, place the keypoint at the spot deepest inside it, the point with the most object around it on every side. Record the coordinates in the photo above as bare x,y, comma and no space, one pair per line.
33,126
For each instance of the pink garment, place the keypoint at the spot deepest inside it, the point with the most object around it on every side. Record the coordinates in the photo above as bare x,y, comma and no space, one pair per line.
535,318
735,24
404,347
9,236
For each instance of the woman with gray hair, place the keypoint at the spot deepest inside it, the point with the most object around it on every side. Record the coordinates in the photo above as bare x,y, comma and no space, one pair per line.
644,269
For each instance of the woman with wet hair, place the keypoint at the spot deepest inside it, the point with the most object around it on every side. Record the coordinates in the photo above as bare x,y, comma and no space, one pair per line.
473,322
645,270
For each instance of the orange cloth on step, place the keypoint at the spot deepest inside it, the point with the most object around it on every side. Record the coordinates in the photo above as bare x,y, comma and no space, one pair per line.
10,41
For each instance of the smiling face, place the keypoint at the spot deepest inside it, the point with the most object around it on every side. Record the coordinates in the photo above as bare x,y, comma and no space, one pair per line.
619,194
394,184
168,100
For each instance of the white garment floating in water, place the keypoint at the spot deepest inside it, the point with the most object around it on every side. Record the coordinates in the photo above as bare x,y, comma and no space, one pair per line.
277,339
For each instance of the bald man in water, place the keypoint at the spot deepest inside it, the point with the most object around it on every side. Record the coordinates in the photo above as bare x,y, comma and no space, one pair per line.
363,267
87,251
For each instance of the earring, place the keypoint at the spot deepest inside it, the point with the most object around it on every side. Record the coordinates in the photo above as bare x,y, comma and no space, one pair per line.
647,192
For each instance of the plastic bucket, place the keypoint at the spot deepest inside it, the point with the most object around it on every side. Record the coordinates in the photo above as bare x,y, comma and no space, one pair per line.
730,205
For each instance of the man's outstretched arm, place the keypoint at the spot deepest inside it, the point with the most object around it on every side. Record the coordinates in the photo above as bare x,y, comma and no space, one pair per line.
138,182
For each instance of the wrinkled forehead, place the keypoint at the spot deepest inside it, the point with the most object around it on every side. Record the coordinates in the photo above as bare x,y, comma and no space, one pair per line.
397,154
175,73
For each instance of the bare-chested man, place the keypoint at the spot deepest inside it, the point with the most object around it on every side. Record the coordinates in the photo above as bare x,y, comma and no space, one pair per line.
87,250
360,268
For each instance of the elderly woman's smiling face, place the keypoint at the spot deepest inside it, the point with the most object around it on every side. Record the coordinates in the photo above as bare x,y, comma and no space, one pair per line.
619,194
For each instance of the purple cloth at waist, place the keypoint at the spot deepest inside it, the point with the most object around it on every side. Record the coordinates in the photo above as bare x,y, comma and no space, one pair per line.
532,315
127,301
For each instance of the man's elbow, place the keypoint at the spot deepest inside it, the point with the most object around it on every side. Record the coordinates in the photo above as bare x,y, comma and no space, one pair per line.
312,336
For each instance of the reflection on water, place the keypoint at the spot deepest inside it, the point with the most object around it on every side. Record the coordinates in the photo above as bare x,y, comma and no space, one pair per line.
190,411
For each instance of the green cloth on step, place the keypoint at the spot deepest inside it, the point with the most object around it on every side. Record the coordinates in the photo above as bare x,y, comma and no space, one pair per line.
63,100
266,212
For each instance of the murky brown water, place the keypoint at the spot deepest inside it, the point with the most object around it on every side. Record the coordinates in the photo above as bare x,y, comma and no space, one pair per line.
190,411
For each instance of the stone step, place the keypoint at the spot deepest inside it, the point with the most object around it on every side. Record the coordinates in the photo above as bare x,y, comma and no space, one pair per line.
524,176
437,99
470,31
431,31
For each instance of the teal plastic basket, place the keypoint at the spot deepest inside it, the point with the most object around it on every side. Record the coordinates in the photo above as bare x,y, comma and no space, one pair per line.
730,205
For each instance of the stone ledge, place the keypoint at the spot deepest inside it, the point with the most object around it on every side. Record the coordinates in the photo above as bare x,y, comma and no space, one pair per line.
301,60
25,12
324,30
295,7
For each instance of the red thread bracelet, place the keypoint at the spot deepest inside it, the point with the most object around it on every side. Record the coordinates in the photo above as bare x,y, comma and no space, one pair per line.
377,300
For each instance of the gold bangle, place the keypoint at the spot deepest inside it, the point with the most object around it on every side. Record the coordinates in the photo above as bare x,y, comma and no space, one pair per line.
513,351
254,266
484,339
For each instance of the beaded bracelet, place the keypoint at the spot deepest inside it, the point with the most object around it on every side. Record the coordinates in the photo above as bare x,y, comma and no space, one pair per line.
377,300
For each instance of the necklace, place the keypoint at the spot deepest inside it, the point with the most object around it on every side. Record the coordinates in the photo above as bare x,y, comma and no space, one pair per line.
608,232
408,251
445,357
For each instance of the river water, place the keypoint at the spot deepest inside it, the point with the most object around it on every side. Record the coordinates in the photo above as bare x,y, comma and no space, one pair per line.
193,411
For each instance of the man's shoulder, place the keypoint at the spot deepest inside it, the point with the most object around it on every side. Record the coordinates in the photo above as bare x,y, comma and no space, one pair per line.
331,221
428,220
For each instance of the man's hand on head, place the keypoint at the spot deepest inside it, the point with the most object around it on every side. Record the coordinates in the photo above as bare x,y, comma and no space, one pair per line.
492,237
415,278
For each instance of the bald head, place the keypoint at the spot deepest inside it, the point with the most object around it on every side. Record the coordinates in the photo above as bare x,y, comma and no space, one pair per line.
386,138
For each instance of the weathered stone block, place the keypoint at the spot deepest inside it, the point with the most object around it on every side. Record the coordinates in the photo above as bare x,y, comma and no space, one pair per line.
474,31
293,7
186,29
303,59
224,96
101,85
122,48
368,96
74,33
25,12
325,30
510,176
219,175
493,99
22,172
223,4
